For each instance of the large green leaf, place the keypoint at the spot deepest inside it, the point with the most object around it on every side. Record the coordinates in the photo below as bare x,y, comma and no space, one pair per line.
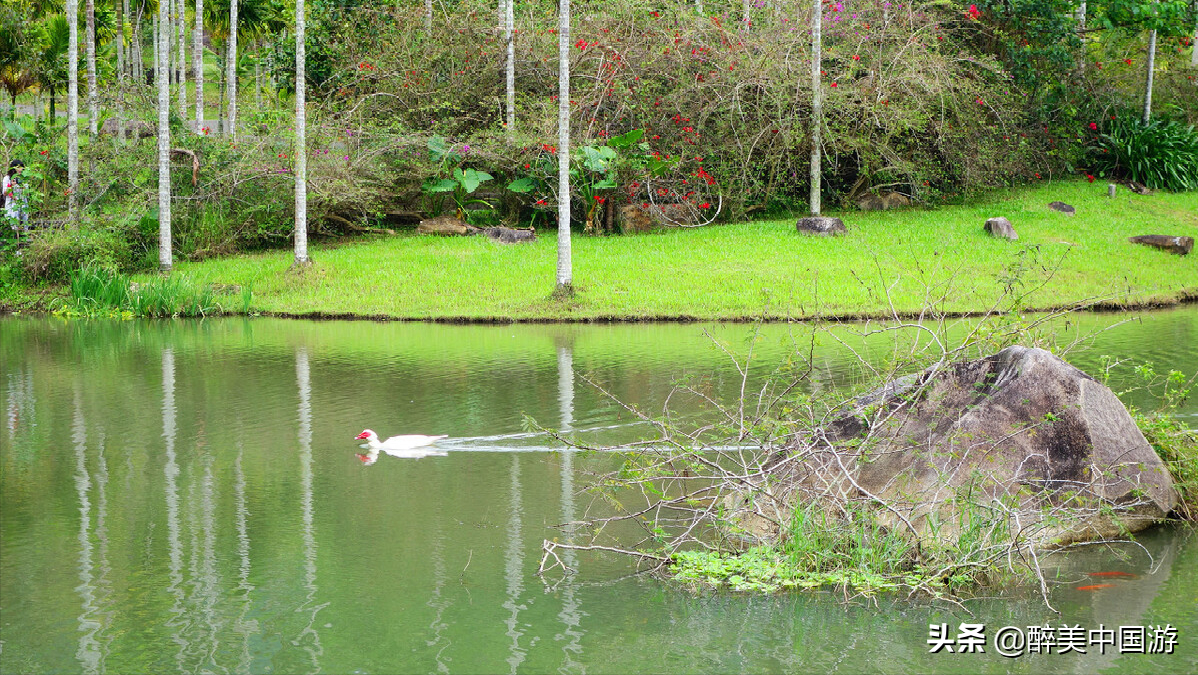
626,140
522,185
439,185
471,178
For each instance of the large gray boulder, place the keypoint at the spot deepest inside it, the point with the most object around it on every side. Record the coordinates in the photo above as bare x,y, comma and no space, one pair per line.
1177,245
1002,228
1021,435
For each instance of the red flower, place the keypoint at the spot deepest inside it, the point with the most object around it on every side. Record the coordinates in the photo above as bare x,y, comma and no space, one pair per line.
974,13
705,205
1093,126
1090,178
1127,61
833,84
856,57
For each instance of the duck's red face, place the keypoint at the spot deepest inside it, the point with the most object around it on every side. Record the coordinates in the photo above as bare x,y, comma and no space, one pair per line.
362,436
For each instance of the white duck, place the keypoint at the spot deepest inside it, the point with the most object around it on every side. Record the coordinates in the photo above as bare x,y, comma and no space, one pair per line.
409,446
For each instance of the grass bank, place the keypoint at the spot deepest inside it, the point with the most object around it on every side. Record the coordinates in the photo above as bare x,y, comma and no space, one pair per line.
902,258
905,259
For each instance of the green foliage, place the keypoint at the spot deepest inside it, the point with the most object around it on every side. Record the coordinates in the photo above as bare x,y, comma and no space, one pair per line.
451,177
54,254
1162,154
97,290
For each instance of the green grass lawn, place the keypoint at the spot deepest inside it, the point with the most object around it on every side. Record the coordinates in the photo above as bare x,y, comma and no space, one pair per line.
906,260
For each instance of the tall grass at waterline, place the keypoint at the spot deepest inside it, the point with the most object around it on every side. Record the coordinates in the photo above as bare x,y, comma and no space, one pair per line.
900,261
99,289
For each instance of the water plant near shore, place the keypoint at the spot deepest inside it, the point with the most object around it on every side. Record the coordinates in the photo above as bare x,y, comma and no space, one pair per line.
97,290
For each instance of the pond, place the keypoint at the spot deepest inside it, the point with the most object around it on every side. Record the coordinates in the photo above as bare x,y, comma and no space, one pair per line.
186,496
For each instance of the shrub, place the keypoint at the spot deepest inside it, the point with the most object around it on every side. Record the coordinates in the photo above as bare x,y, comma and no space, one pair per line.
53,254
1162,154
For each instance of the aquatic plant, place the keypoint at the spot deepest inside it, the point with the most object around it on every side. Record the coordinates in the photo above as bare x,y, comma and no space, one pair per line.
98,290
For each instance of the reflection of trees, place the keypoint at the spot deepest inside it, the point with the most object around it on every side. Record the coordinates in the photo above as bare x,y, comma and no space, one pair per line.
243,627
170,473
514,567
571,614
308,636
88,654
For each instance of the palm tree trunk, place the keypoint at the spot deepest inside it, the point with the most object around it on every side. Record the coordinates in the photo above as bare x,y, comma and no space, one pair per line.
135,45
73,111
258,74
565,271
162,79
197,59
181,10
817,103
231,77
119,6
1148,85
93,94
509,24
301,144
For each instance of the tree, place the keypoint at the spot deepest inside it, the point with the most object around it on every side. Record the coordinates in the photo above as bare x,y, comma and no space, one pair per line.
19,39
181,15
1151,66
197,48
93,95
301,145
161,68
817,103
72,110
231,65
565,271
119,7
509,20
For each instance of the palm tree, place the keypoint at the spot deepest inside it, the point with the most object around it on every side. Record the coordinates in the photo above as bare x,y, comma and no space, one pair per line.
1151,66
509,20
231,64
565,272
19,39
197,60
119,7
181,14
301,145
817,103
93,95
161,68
72,109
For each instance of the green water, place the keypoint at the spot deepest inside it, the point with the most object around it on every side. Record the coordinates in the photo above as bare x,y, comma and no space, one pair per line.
185,496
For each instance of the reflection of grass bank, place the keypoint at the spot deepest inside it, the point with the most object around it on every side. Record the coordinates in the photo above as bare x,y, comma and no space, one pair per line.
742,270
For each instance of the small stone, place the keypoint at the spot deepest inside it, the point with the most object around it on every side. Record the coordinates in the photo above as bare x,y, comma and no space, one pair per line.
821,225
1176,245
1110,190
1001,227
1063,208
